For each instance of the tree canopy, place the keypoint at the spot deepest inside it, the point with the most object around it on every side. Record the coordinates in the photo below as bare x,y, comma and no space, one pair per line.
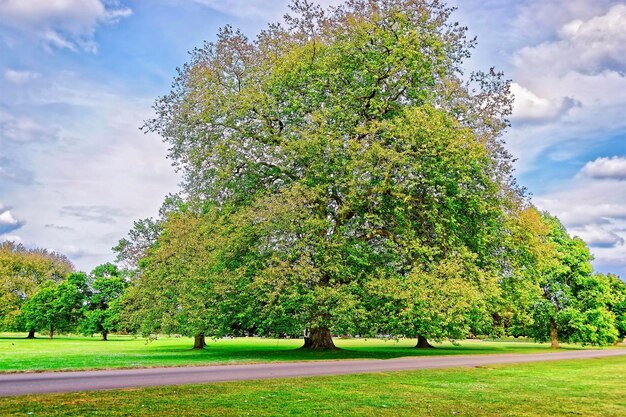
342,175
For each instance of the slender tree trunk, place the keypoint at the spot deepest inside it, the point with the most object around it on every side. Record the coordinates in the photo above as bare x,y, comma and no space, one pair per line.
554,334
51,334
422,343
31,334
199,341
105,336
319,338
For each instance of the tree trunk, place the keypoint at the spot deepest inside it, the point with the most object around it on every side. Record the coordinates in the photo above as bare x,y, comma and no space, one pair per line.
319,338
31,334
105,336
554,335
199,341
51,334
422,343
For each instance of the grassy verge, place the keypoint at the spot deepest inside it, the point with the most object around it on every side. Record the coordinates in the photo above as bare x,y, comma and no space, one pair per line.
562,388
64,353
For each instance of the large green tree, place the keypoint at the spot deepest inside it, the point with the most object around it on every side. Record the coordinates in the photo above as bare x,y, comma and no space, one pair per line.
22,272
349,149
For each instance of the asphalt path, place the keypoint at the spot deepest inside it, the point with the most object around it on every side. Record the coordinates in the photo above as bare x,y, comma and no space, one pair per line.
52,382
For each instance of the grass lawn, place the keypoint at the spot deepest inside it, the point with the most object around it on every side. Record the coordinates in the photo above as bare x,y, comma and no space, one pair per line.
64,352
562,388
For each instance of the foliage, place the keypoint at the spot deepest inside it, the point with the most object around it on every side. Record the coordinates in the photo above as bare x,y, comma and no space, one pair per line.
342,148
144,234
561,299
102,310
22,272
56,307
181,288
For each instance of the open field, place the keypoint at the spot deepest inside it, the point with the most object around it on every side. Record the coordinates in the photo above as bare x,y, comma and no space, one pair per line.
64,353
562,388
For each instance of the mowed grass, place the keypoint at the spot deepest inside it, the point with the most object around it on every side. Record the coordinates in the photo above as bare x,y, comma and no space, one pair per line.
562,388
18,354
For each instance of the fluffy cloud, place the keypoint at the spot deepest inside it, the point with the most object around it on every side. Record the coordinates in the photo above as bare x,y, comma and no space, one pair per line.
595,210
60,23
606,168
598,237
8,222
590,46
571,85
536,20
530,107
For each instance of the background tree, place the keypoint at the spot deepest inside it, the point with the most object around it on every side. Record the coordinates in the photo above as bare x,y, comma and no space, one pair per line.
618,303
22,271
143,235
572,304
180,287
56,307
102,310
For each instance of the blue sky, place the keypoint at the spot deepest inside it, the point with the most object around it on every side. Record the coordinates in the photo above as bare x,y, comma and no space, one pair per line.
78,77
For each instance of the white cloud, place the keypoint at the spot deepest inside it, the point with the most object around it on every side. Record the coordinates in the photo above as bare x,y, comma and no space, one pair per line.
537,20
587,46
20,77
8,222
60,23
606,168
530,107
571,87
595,210
598,237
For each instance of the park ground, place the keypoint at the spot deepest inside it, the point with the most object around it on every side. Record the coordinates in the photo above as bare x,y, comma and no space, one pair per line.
562,388
18,354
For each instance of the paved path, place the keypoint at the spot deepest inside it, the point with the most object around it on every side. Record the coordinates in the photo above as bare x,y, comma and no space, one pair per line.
49,382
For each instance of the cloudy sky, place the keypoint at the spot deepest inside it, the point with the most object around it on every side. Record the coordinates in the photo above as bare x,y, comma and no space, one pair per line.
78,77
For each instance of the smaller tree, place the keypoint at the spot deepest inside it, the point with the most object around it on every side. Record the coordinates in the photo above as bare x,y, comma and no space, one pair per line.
617,304
572,305
102,311
181,286
56,307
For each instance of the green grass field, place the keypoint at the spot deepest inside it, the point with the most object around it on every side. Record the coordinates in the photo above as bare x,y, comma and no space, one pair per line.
561,388
63,353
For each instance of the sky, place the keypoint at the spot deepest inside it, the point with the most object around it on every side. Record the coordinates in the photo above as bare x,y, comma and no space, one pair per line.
78,78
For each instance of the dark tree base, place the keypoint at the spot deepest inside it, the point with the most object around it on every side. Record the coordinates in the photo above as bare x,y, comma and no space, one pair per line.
554,335
31,334
199,342
422,343
319,339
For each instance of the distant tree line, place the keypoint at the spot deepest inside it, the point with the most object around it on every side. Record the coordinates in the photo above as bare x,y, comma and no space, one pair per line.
41,292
